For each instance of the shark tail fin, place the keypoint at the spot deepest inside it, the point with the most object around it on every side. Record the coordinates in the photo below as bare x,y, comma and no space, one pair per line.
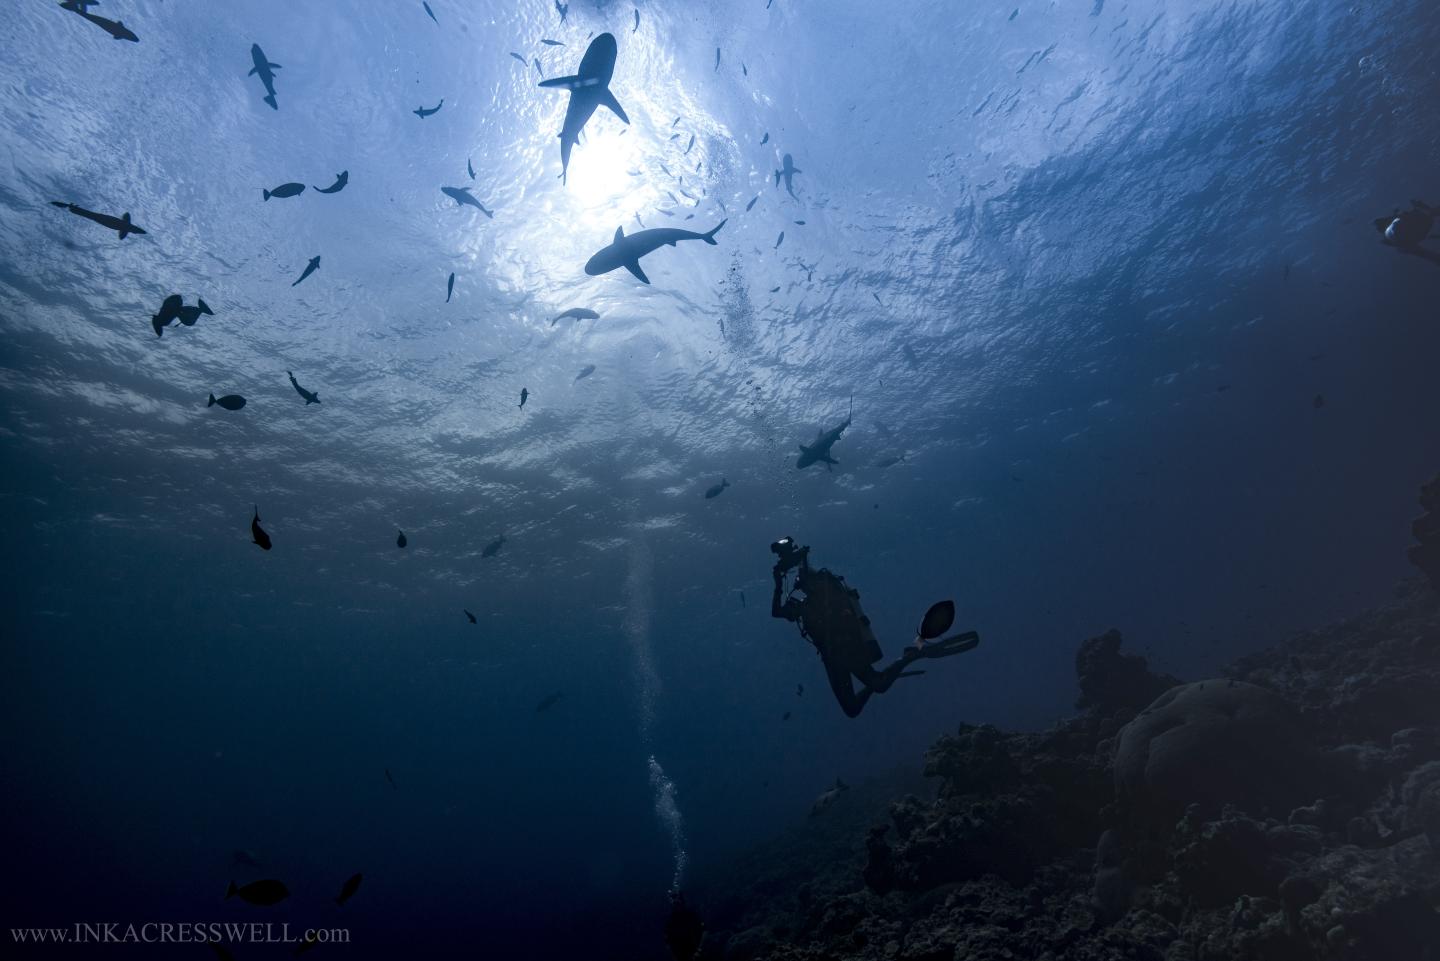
270,99
265,192
608,99
709,236
212,401
205,308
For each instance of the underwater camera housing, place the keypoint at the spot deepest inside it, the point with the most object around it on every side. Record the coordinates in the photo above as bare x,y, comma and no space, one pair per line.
791,554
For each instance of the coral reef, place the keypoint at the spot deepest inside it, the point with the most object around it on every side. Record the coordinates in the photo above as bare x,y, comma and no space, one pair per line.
1287,810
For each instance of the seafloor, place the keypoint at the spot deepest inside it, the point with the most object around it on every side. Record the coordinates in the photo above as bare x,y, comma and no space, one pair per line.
1287,809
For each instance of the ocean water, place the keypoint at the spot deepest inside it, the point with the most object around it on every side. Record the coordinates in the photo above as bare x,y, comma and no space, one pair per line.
1104,275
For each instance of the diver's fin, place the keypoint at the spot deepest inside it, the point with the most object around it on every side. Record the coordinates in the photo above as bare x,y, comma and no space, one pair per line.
569,83
607,99
634,268
958,644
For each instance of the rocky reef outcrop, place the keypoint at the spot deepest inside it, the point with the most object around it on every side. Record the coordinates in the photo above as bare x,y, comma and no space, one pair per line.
1288,809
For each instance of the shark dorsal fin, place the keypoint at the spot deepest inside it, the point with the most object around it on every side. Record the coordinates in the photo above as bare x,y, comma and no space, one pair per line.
126,216
619,233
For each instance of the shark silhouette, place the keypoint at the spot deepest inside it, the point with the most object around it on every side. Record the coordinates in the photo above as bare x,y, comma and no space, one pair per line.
589,88
788,171
121,224
626,251
266,70
115,28
819,450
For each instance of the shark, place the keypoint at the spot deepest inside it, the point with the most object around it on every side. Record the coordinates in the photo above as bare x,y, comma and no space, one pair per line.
589,88
626,251
115,28
266,70
120,224
819,450
787,171
463,196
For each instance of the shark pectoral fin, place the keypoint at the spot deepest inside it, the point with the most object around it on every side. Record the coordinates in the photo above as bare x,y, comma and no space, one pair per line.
634,268
569,83
253,71
608,99
273,66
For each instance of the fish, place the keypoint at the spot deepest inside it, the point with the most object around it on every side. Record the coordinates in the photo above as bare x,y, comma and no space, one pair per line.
469,168
552,43
341,179
675,121
744,69
798,223
310,268
626,251
524,396
263,893
266,71
547,702
828,798
585,371
690,144
579,313
589,88
310,396
799,690
637,20
562,9
765,139
469,615
785,716
819,449
536,62
432,17
462,196
742,599
291,189
261,539
115,28
779,240
449,286
352,884
391,779
401,541
121,225
717,58
493,548
522,60
774,290
787,171
751,203
422,111
888,462
229,401
716,490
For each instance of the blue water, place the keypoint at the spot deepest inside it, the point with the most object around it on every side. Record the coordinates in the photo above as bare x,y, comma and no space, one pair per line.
1086,268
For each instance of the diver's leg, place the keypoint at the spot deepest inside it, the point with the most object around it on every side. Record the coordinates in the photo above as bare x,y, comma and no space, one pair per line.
850,702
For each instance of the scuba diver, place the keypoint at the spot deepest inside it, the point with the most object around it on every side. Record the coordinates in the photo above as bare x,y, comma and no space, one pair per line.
829,616
683,929
1406,229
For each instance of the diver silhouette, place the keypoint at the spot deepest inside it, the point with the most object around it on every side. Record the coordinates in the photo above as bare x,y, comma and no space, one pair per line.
830,618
